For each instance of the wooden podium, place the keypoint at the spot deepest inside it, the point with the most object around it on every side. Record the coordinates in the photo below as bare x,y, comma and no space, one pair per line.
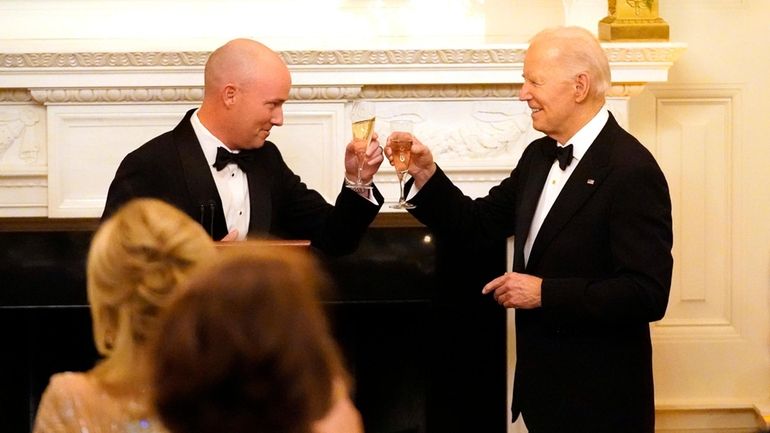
261,243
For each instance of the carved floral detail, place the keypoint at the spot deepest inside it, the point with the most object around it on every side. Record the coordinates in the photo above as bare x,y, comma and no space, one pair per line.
13,124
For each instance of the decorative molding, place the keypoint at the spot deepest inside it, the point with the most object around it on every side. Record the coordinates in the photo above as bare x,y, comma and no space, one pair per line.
22,195
617,52
442,91
699,123
636,52
15,95
714,418
298,93
405,57
625,90
117,95
23,180
328,93
631,62
163,59
173,94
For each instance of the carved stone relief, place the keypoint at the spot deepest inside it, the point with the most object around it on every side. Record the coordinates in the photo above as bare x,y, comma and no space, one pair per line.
21,143
471,134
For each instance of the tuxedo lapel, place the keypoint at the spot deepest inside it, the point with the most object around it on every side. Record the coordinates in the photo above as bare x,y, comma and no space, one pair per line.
204,197
540,165
259,194
591,171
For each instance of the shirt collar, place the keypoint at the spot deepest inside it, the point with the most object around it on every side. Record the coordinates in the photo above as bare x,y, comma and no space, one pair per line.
582,140
209,143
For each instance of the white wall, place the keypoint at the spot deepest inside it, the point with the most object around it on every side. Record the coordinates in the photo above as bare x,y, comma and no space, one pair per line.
155,25
709,128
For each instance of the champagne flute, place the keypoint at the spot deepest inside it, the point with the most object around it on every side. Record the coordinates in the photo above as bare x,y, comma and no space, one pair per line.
362,117
400,143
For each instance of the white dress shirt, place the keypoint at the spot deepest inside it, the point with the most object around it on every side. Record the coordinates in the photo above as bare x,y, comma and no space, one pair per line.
557,177
231,182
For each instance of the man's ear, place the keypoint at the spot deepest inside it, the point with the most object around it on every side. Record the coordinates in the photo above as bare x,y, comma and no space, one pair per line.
229,93
582,86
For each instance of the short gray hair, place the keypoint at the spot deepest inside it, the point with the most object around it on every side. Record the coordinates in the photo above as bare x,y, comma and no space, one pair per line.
580,51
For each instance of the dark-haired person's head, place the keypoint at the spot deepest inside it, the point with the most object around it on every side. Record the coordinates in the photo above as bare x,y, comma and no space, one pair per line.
247,348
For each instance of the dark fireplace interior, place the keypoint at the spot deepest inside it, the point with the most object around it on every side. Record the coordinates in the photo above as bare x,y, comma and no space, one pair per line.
426,350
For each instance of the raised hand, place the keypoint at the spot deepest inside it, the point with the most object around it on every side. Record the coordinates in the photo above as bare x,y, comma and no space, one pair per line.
421,165
373,160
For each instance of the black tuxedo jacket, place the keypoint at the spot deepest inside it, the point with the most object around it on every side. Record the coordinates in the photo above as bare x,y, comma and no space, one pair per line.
584,358
172,167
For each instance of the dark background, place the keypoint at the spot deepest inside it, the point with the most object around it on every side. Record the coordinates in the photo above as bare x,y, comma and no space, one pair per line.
426,350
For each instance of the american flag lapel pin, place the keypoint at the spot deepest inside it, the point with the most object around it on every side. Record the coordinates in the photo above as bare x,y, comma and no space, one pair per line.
590,181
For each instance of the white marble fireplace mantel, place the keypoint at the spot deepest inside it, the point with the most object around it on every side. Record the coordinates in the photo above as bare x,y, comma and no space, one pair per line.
67,119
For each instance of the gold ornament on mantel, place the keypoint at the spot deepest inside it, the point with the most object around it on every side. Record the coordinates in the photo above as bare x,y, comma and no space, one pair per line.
633,20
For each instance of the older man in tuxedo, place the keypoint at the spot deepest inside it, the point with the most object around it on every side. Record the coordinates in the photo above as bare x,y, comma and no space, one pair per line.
219,168
590,212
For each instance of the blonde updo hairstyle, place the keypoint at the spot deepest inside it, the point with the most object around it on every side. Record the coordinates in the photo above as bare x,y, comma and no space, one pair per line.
137,260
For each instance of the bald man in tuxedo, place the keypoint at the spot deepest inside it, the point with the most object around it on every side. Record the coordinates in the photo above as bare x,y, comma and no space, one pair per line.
218,166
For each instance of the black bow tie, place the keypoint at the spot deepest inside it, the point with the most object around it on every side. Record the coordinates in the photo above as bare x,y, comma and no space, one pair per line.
564,155
225,157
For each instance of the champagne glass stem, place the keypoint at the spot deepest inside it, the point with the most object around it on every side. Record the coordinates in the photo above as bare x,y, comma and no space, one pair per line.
402,203
360,169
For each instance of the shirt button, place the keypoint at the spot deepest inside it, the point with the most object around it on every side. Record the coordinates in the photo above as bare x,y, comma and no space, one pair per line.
240,212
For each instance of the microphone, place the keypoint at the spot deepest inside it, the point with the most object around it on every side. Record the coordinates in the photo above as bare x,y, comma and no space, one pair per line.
211,224
211,210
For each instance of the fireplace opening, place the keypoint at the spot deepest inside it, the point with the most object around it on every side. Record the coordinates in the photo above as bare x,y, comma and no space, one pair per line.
426,350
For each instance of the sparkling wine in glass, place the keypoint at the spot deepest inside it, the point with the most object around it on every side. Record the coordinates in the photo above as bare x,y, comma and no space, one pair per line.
362,116
400,143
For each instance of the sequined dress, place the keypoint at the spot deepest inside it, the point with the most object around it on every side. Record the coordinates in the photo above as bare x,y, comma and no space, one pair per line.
77,403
